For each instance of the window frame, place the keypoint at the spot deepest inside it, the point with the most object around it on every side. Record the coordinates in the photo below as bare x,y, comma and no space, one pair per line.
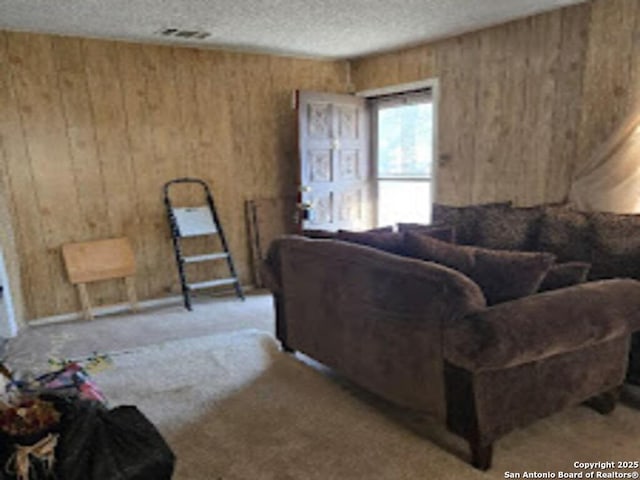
377,103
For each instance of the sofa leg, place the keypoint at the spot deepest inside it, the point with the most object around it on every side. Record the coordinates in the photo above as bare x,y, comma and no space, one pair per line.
481,455
633,372
286,348
605,403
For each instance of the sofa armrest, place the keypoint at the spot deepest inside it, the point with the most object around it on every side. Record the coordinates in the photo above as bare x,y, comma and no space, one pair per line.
543,325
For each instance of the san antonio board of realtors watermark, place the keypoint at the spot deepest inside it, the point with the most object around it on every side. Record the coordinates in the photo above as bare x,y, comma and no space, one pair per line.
610,469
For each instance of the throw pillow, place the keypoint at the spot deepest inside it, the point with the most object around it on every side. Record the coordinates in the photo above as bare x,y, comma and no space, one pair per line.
446,233
388,241
501,275
564,275
464,219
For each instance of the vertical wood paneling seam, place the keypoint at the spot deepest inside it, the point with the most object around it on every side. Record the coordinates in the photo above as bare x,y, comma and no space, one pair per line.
63,110
5,181
152,121
16,222
636,53
272,133
4,168
585,70
552,71
31,176
476,109
632,59
180,114
572,162
174,168
99,149
93,121
144,265
66,297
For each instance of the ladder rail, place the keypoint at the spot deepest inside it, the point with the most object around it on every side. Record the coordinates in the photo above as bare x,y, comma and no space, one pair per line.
178,253
223,240
175,234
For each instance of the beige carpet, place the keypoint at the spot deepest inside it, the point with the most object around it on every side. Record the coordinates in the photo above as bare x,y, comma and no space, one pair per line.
233,407
34,346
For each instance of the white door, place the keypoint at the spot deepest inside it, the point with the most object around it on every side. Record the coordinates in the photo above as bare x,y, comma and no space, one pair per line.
335,168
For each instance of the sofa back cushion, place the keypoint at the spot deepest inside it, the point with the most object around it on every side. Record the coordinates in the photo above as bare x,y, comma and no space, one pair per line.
513,228
616,245
502,275
566,233
464,219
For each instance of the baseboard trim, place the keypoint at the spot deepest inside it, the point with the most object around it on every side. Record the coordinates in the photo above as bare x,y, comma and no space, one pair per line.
117,308
106,310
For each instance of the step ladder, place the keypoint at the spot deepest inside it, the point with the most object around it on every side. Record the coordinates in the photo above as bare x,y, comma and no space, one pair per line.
186,222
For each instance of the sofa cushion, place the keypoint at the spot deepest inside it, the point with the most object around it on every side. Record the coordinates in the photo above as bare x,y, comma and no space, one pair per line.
320,234
502,275
616,245
566,233
383,240
566,274
510,228
446,233
464,219
386,229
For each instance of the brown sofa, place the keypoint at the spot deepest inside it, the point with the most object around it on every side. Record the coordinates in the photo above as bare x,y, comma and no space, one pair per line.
421,335
609,242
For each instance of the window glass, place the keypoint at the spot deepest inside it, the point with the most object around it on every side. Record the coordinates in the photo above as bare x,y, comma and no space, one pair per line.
404,152
403,201
405,140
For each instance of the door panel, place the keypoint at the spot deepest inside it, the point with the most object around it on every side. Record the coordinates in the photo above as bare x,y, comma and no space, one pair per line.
335,179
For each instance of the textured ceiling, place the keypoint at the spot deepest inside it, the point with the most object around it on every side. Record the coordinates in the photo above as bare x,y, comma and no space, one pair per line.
313,28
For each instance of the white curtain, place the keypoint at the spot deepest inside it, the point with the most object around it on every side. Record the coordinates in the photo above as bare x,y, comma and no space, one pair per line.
610,180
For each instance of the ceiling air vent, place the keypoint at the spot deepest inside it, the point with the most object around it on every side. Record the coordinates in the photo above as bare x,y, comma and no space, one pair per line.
185,34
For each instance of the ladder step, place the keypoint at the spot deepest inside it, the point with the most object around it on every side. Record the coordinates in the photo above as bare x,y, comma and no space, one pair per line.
205,258
194,221
199,233
211,283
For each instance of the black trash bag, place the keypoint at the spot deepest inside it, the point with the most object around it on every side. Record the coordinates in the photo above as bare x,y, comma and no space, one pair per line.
119,444
38,470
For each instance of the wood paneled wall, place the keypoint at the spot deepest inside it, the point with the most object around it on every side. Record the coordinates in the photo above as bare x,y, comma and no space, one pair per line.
521,103
611,88
90,130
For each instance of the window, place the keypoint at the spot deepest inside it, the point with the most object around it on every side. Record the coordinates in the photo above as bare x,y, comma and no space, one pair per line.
403,153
